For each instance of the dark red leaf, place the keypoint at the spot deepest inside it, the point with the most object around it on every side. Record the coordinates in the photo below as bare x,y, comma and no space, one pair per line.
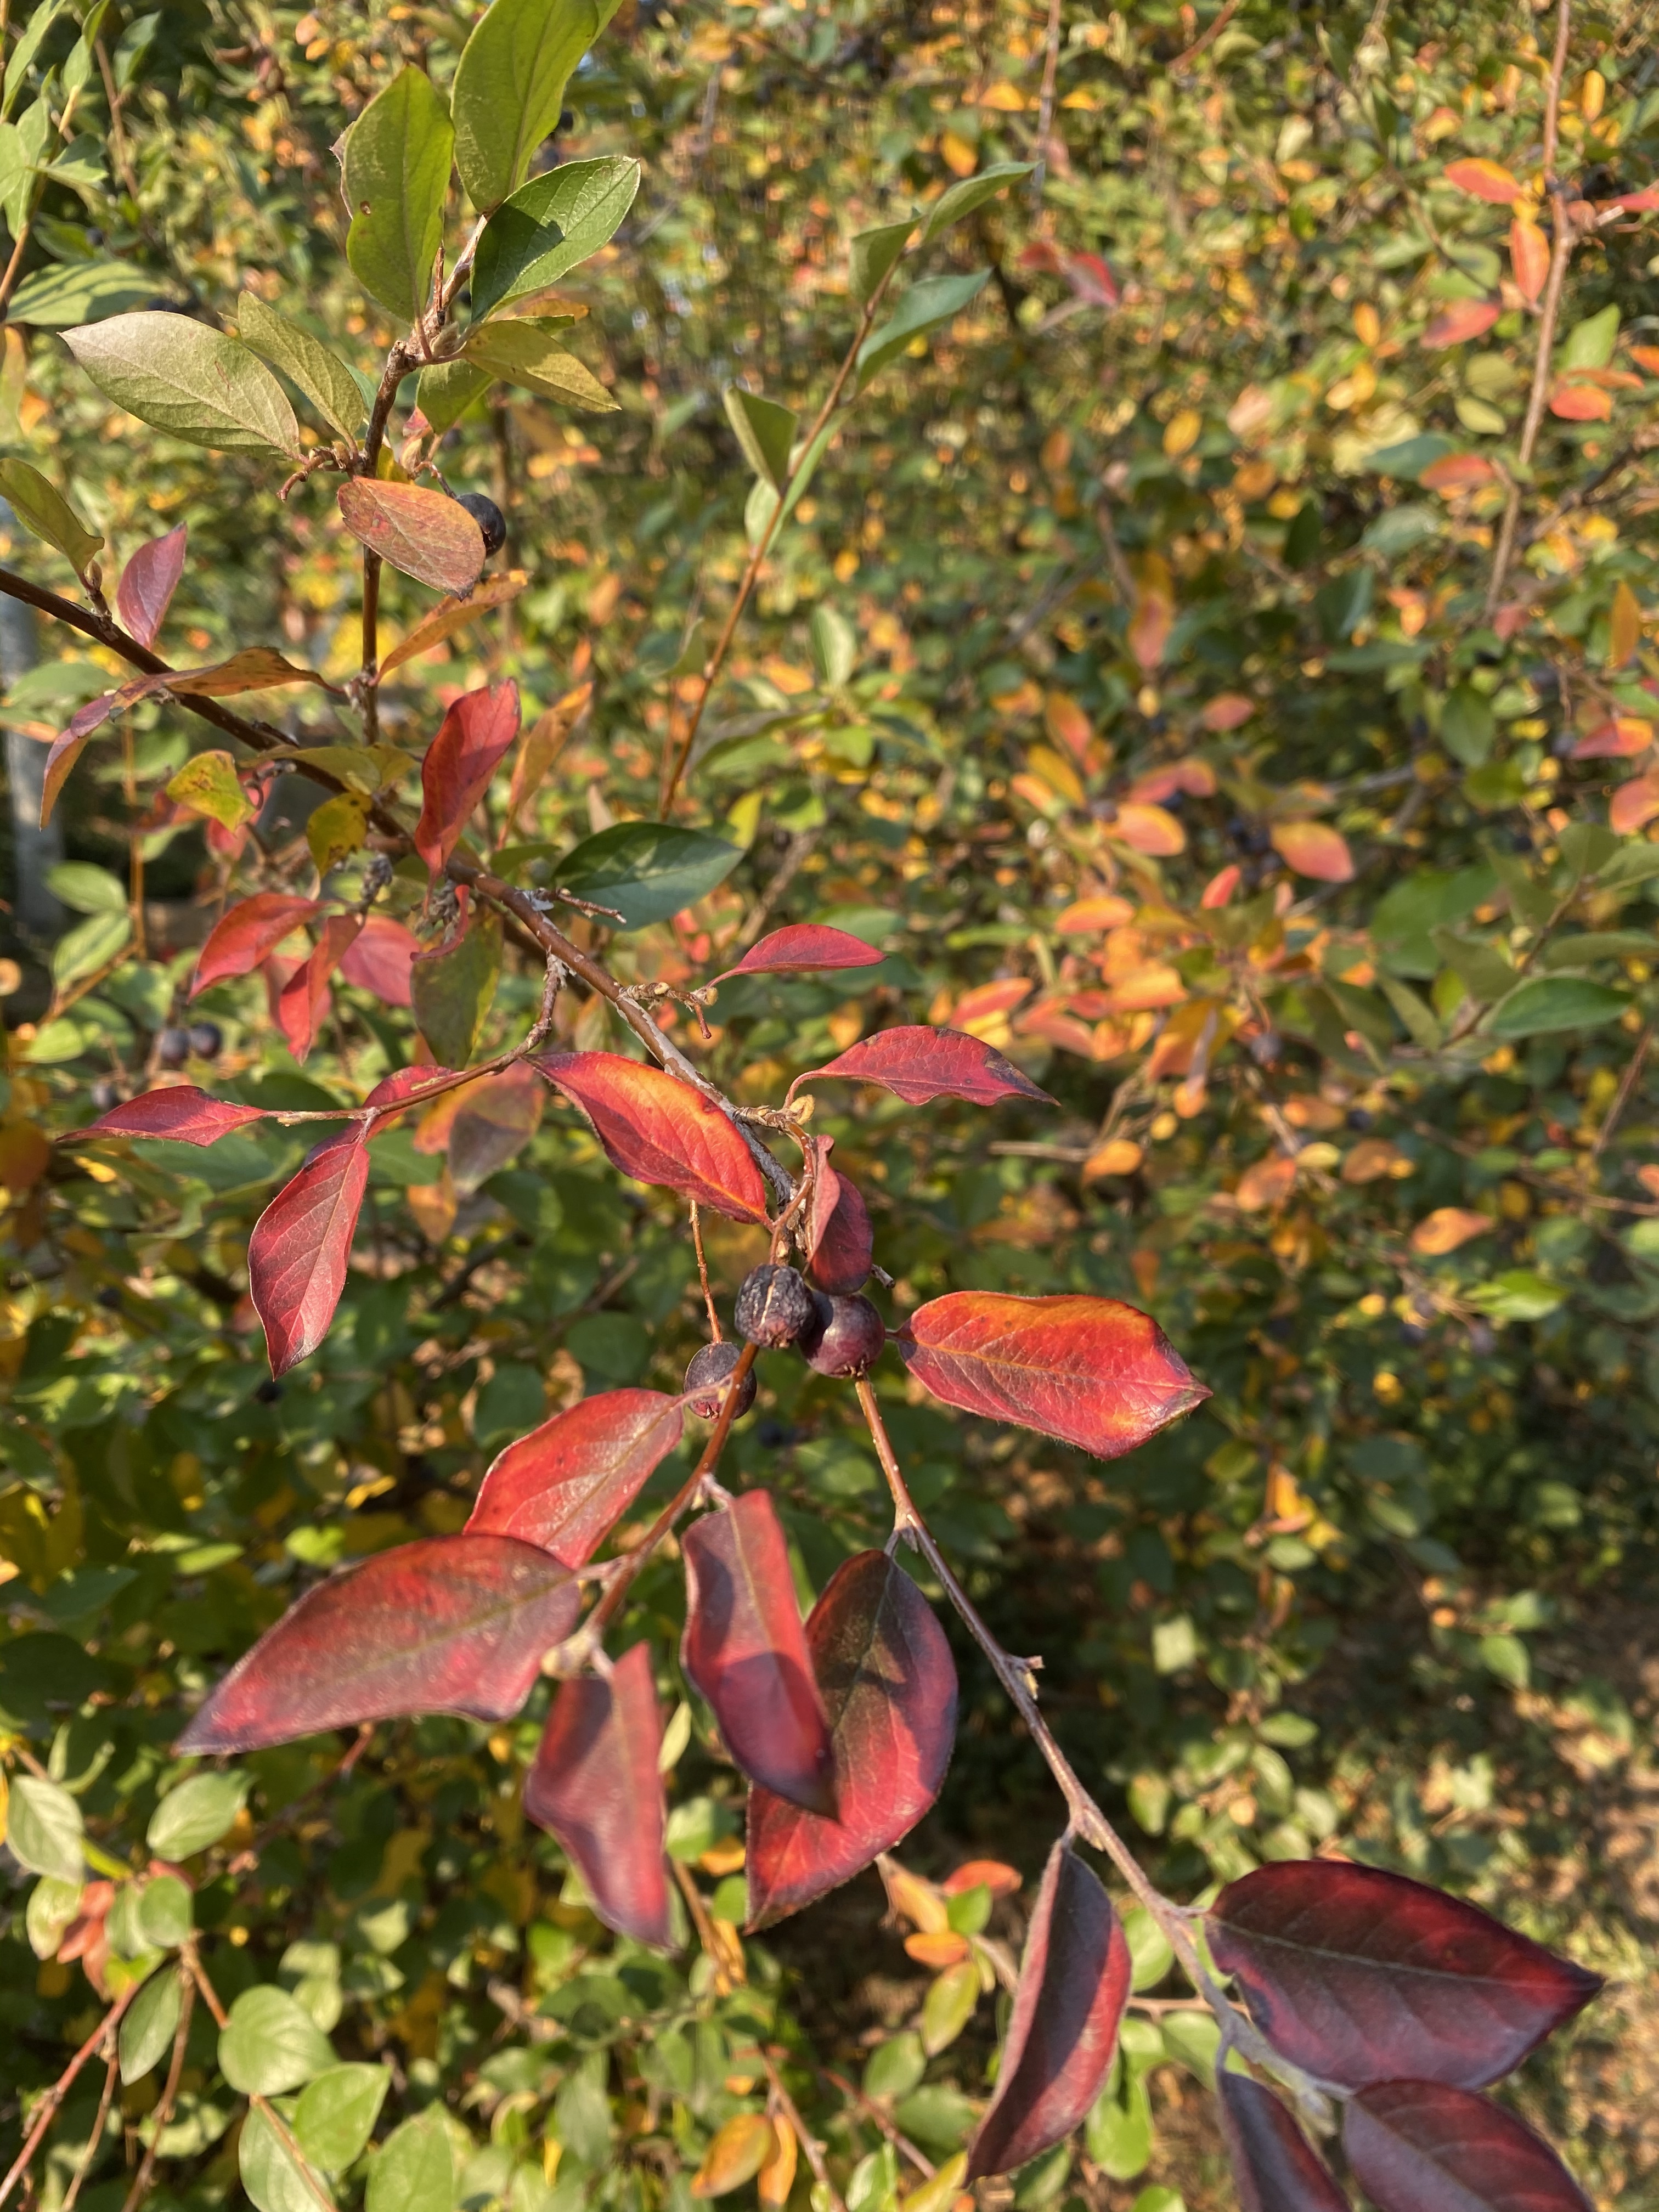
379,960
303,1004
839,1244
567,1484
918,1063
447,1624
801,950
745,1650
659,1130
424,532
148,583
474,737
240,939
1424,2147
301,1246
1275,2167
184,1114
595,1786
889,1685
1360,1975
390,1092
1074,1980
1090,1371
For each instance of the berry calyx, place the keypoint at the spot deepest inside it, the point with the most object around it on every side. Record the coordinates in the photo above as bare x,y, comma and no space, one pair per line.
775,1307
708,1373
849,1338
487,516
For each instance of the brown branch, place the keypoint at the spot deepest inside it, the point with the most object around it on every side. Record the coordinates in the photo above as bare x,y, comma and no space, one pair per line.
1207,36
702,1271
872,2111
1046,101
1560,254
804,2135
1086,1817
1621,1096
84,2165
46,2111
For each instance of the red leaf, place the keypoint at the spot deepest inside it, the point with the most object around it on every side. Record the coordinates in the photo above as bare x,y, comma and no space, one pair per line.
567,1484
745,1650
301,1246
1529,258
596,1787
659,1130
1363,1976
1421,2147
242,939
1457,472
885,1672
1466,320
1073,1979
379,960
445,1625
1088,1370
1617,739
304,1001
916,1063
475,734
1275,2167
839,1244
803,948
1578,402
391,1092
1486,180
425,533
148,583
184,1114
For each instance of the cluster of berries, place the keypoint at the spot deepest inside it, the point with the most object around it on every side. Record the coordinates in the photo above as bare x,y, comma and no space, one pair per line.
776,1307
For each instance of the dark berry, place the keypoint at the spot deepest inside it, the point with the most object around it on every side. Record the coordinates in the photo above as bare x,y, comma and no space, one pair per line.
172,1047
848,1340
488,518
269,1391
775,1307
105,1095
206,1039
708,1371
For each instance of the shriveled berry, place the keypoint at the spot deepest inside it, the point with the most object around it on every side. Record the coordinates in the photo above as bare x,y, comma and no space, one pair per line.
707,1375
850,1339
105,1095
172,1047
488,518
775,1307
206,1039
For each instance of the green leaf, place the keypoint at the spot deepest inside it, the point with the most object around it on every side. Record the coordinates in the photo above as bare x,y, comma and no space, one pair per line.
1193,2038
1506,1656
208,782
446,391
150,2024
196,1814
1150,1954
1589,344
874,252
453,987
509,89
763,501
179,376
1468,726
924,307
415,2169
972,192
28,45
41,508
323,377
835,647
273,2177
396,167
336,2112
766,432
90,945
525,353
61,295
548,226
1545,1005
1118,2132
85,889
646,871
167,1912
52,1905
44,1829
1518,1294
1481,968
949,2006
270,2045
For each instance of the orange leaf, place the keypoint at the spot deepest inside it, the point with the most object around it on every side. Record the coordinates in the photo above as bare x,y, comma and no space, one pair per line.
1152,616
1372,1158
1221,886
1575,401
451,615
1486,180
1465,319
1227,710
1084,916
659,1130
1119,1155
1194,779
424,533
1529,258
1150,829
1312,848
1634,804
981,1874
1624,627
1457,472
1446,1228
737,2155
945,1949
1267,1183
1626,734
777,2177
1646,358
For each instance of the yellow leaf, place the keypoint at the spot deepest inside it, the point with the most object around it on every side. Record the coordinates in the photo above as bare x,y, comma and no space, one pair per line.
938,2194
336,830
1624,627
1119,1155
960,158
1446,1228
736,2155
915,1900
777,2177
1057,773
207,784
1181,432
1373,1157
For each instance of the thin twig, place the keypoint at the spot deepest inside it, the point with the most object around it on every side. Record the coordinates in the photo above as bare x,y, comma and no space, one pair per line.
1621,1096
702,1273
46,2111
872,2110
1045,100
1207,36
163,2112
84,2165
804,2135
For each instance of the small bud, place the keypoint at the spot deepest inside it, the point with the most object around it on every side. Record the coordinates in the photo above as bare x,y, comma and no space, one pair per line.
775,1307
709,1370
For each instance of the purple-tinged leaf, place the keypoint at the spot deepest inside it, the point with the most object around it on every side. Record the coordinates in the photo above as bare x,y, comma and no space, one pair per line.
917,1063
148,583
183,1114
300,1248
840,1243
1426,2147
1275,2167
